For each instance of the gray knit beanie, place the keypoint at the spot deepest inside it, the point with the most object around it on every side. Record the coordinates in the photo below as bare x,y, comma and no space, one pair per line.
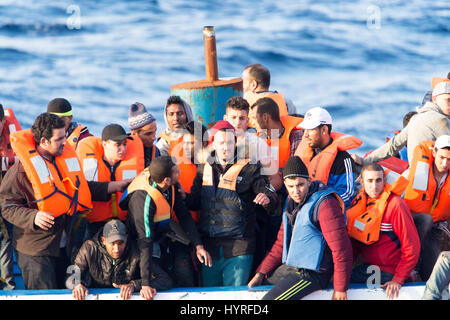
138,116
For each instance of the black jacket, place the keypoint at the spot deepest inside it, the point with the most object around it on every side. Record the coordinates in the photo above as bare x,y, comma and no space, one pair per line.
250,183
100,270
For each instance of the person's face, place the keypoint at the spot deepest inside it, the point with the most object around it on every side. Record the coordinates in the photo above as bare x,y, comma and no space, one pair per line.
175,175
188,146
442,160
115,249
176,116
237,118
260,120
67,121
297,188
147,134
55,146
248,84
443,102
224,143
314,137
373,183
115,150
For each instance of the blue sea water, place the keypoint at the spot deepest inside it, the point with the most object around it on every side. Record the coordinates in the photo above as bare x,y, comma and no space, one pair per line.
367,62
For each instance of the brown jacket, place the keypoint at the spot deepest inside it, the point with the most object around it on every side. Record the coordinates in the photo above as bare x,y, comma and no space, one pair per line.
16,199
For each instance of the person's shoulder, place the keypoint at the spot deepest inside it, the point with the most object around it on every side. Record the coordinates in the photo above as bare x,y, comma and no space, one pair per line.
397,206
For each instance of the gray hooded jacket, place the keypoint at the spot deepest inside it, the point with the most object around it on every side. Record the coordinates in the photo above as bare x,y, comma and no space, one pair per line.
162,144
428,124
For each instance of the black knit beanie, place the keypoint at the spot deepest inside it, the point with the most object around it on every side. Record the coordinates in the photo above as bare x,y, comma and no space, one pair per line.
295,168
59,106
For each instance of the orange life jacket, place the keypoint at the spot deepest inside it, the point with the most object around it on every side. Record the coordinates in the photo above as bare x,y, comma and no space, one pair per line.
164,211
275,96
422,195
319,165
364,219
188,170
281,147
90,152
175,143
59,187
11,125
73,138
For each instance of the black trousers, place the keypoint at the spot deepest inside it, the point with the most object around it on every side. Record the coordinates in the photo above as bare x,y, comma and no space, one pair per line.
45,272
293,283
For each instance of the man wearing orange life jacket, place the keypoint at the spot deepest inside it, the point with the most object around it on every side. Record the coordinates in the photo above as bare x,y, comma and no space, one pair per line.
114,157
428,197
280,132
143,125
256,83
74,131
176,114
8,124
382,231
324,153
40,194
152,200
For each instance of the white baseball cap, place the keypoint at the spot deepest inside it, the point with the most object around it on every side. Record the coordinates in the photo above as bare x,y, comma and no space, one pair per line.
441,88
442,142
315,117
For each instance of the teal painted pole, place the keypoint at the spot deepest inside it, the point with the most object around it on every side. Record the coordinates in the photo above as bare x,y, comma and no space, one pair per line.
208,97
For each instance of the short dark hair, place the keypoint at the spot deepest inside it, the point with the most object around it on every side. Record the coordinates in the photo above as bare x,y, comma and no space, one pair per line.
267,105
329,126
191,126
408,117
238,103
161,168
174,100
371,167
260,74
43,126
2,113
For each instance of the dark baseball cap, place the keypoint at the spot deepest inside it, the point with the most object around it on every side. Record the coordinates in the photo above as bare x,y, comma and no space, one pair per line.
115,132
115,230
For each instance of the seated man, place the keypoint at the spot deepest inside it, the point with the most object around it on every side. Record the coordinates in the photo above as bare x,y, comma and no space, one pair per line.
111,259
439,278
382,231
427,196
312,244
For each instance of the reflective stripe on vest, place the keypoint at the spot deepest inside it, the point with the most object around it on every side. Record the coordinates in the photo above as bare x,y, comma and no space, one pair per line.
222,211
281,147
90,152
319,165
364,219
11,125
422,194
68,193
164,211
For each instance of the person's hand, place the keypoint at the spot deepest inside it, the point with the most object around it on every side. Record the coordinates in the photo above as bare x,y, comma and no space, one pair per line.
148,293
256,280
126,290
392,289
80,292
118,186
339,295
261,199
203,256
44,220
357,159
